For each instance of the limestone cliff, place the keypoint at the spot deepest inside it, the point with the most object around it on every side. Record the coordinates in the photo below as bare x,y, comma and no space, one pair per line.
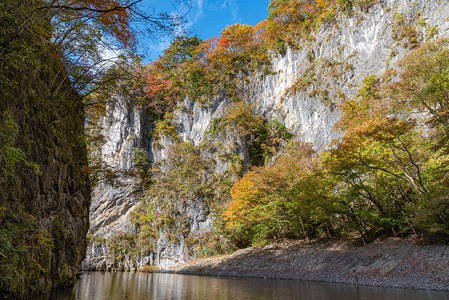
126,127
301,92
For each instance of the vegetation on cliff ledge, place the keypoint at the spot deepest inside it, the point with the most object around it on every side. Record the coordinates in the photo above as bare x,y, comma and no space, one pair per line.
386,175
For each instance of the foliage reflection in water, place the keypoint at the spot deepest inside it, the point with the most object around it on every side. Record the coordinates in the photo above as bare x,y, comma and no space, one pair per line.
139,286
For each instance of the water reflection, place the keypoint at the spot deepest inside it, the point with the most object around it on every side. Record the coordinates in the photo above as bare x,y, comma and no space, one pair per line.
137,286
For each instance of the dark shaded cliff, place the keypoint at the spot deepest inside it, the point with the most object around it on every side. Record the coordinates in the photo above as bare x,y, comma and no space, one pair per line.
44,188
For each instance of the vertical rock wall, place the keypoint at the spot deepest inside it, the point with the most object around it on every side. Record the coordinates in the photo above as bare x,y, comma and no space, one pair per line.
45,196
125,127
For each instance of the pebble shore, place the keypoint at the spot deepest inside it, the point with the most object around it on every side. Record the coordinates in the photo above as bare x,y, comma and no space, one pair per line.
388,263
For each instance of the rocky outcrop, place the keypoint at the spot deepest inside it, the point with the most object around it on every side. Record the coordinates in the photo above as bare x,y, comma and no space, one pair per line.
64,197
302,92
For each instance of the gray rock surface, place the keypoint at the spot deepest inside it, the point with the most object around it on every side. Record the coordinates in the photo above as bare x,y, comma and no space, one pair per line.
125,128
45,201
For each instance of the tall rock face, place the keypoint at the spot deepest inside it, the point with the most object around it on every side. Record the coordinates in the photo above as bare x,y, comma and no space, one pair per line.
44,182
125,128
44,193
302,92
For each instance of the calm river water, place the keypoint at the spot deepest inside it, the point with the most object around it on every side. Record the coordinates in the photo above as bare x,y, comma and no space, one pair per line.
137,286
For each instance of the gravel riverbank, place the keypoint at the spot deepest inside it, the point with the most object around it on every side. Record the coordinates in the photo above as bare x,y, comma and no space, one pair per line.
389,263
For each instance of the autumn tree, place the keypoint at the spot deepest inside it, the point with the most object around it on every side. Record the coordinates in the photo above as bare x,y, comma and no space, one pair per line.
390,161
179,64
422,90
423,86
289,21
89,35
276,202
386,175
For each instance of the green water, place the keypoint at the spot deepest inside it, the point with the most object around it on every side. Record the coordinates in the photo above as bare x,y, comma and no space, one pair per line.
137,286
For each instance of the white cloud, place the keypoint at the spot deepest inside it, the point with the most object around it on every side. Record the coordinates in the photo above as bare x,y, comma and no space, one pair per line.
158,48
183,11
230,4
200,12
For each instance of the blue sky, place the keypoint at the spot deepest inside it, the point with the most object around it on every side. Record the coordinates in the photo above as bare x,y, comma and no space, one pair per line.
206,18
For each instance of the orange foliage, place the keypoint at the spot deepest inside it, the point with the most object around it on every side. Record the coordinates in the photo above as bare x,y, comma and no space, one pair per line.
113,15
223,42
265,195
236,40
241,38
153,89
156,85
243,194
290,20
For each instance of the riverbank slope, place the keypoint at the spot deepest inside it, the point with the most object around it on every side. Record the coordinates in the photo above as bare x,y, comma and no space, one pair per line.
388,263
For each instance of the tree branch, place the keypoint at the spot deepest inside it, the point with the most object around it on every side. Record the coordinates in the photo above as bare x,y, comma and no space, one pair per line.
85,8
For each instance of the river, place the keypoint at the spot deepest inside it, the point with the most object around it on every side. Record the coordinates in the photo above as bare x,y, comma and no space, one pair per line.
160,286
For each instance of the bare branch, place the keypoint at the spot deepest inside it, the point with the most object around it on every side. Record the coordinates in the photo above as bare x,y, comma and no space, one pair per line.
85,8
